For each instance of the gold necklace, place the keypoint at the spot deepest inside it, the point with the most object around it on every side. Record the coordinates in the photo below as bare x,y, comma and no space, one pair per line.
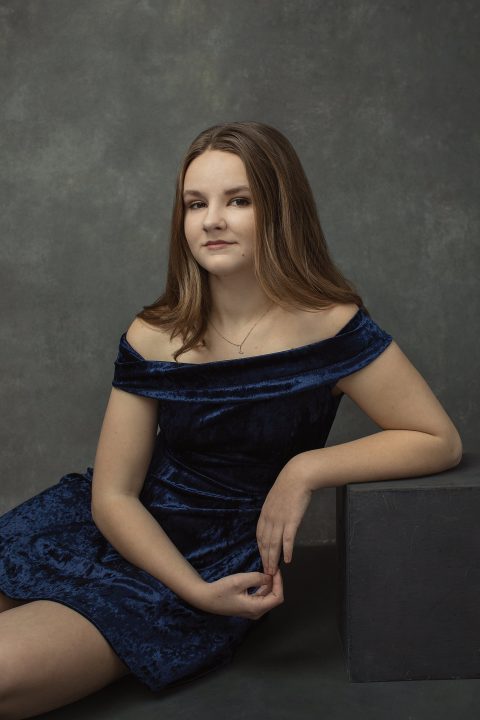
240,351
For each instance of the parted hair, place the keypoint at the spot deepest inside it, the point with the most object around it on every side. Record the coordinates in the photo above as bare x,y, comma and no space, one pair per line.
292,263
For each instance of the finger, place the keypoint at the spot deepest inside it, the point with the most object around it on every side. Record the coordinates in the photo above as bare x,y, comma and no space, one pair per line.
256,579
263,590
269,564
273,596
277,584
274,548
264,545
260,525
261,533
288,542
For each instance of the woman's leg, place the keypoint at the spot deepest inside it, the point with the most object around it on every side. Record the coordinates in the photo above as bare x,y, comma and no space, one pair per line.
50,656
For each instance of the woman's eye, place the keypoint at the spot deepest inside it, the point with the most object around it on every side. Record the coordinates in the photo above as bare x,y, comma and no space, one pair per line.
199,202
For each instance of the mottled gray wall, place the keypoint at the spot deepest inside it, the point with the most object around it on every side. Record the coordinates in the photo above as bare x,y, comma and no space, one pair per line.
100,99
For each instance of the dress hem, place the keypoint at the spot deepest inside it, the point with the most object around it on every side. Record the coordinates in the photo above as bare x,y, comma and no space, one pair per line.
153,688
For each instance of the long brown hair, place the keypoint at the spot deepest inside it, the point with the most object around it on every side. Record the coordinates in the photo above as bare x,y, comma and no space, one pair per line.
292,263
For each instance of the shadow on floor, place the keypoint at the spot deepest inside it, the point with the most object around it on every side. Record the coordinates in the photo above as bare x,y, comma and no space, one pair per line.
290,666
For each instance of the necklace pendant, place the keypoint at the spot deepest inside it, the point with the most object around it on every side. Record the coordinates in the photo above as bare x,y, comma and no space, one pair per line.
240,351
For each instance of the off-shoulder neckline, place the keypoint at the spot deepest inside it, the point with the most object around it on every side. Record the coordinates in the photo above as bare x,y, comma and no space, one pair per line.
354,323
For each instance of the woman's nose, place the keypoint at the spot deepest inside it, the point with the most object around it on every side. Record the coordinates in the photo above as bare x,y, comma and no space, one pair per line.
213,219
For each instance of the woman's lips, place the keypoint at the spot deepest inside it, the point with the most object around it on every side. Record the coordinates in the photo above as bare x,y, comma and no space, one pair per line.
218,245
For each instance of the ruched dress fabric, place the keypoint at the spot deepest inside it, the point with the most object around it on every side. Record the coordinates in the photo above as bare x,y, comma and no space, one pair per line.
226,429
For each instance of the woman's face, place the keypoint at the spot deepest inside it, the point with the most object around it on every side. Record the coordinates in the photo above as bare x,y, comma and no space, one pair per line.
217,209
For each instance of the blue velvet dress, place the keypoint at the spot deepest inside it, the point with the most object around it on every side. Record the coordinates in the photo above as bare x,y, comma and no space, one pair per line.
226,429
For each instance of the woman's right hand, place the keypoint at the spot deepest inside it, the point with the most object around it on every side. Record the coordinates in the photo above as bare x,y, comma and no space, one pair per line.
229,596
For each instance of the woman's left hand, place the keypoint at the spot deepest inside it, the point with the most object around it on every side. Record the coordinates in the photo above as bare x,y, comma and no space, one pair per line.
281,515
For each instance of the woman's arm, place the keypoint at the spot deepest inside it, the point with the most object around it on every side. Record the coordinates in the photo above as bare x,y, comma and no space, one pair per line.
124,452
418,437
123,455
134,532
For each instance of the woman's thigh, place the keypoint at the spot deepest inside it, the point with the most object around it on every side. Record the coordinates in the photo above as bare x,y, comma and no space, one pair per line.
51,655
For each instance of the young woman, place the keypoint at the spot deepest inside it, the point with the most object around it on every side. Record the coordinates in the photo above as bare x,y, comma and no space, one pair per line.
158,560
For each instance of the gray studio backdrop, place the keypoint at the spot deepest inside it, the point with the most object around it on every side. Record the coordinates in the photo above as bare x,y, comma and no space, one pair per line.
100,98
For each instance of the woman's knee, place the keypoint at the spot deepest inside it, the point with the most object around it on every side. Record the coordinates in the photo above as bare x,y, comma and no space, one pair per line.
51,655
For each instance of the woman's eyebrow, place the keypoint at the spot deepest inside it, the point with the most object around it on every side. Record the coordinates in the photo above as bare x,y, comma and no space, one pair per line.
230,191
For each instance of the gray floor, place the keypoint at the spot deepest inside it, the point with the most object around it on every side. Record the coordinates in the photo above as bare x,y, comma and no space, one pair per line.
290,666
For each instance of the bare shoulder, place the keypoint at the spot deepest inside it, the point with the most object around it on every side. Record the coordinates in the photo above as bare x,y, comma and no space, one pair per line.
340,314
151,342
328,322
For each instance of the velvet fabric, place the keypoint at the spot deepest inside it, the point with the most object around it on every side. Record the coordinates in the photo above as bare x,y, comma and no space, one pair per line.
226,429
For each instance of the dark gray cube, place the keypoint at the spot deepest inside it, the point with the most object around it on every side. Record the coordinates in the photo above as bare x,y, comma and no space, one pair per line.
408,576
